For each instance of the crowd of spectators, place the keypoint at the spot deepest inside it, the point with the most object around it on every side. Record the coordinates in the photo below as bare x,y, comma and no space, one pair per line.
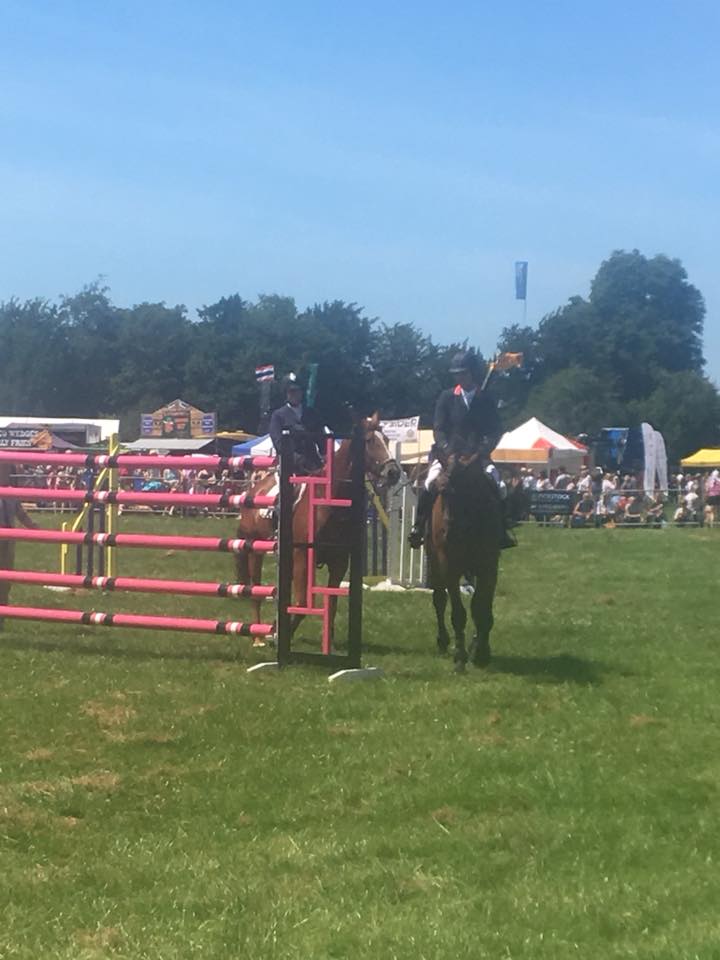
149,480
599,498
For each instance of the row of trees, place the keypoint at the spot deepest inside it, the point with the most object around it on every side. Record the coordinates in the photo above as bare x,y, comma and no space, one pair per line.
631,351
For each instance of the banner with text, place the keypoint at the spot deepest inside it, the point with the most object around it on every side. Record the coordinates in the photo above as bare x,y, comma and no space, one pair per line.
399,430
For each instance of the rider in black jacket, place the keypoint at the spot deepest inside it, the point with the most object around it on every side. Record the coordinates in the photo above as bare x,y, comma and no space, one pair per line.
466,420
303,423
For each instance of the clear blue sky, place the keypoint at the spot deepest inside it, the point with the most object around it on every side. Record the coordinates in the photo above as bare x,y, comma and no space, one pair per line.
402,156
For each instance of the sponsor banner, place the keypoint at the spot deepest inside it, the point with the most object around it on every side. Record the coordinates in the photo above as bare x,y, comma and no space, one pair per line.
552,503
399,430
650,459
26,438
179,420
661,465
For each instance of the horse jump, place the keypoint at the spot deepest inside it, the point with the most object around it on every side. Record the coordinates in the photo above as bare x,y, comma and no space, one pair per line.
240,546
193,588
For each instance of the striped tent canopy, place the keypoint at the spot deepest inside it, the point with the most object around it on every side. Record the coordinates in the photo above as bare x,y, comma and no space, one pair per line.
533,442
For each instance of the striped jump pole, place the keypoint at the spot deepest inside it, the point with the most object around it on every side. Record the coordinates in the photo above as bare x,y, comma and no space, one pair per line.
200,462
97,619
92,538
140,497
195,588
151,541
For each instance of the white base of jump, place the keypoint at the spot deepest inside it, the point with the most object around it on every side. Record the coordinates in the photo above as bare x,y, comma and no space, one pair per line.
363,673
265,665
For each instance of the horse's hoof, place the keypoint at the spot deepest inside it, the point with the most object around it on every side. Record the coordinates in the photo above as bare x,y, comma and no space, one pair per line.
481,659
442,648
479,653
459,667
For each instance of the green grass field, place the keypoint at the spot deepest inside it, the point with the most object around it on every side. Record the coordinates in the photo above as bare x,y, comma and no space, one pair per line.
157,802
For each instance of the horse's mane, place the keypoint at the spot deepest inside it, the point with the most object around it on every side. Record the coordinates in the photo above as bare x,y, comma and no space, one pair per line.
473,504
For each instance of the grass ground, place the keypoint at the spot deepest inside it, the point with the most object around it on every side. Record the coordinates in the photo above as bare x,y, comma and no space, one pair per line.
157,802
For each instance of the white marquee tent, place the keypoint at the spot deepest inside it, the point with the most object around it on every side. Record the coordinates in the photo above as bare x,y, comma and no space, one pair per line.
535,444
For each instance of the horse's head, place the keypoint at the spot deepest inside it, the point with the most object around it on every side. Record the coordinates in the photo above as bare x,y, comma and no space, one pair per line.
379,463
466,472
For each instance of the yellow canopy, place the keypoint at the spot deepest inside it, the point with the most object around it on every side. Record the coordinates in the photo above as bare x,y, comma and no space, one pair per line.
707,457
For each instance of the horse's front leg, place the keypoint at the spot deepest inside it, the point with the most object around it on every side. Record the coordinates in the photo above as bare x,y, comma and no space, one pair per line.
440,603
458,617
482,614
337,567
300,575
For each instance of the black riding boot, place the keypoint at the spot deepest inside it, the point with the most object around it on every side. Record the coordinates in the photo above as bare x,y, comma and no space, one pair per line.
508,537
422,515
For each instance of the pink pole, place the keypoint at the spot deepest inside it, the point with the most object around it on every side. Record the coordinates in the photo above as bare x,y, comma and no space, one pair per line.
139,540
96,619
137,584
18,455
130,497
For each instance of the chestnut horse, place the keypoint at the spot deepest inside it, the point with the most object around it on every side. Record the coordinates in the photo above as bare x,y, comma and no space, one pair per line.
332,524
464,540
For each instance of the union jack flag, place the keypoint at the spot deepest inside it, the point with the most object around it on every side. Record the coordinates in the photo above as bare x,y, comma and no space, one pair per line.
263,374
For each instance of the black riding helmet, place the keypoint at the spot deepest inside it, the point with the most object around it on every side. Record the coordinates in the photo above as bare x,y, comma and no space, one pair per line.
290,382
466,361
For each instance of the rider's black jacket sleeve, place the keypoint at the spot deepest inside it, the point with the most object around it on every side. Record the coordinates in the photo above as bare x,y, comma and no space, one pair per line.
307,434
458,428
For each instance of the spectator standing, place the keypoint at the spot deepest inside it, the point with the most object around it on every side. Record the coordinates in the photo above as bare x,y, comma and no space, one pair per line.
585,482
543,482
562,479
692,498
712,494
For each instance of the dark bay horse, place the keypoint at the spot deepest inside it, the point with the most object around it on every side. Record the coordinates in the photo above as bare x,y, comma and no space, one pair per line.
332,524
464,540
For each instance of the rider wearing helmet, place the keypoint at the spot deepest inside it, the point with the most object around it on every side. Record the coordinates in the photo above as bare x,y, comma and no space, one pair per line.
466,420
304,425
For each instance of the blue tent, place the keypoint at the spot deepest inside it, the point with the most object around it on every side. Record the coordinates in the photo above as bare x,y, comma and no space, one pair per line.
257,447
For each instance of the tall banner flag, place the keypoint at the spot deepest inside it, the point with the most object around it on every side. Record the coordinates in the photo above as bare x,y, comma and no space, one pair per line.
521,271
264,377
311,391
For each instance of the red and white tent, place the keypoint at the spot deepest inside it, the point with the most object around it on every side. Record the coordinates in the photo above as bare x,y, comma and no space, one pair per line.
535,443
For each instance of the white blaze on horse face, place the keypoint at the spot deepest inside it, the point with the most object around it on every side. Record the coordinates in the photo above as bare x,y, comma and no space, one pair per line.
385,462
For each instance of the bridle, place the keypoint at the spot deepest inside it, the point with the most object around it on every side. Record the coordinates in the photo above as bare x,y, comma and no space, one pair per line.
381,470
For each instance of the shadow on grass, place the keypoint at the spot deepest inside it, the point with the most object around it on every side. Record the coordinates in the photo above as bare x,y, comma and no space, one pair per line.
562,668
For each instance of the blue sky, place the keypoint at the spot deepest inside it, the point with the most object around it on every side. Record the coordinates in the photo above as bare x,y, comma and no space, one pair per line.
401,156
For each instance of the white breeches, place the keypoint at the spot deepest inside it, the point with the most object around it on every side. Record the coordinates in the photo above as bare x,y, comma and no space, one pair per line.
492,471
433,473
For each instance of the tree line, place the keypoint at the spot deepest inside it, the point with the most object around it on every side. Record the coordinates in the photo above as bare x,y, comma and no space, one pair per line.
631,351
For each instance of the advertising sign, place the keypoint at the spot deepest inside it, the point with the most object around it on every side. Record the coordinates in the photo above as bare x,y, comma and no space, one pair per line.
399,430
179,420
25,438
551,503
